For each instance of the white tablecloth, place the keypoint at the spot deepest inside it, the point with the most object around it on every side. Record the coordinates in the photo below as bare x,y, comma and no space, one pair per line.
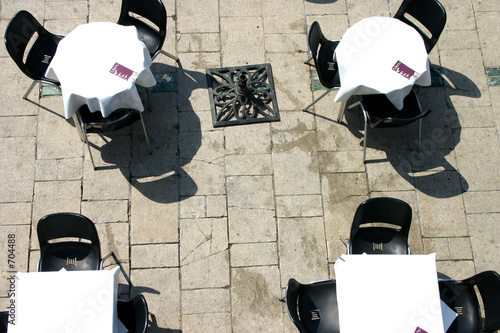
381,55
66,301
98,64
390,294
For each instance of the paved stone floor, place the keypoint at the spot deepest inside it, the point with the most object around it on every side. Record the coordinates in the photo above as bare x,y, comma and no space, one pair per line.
211,226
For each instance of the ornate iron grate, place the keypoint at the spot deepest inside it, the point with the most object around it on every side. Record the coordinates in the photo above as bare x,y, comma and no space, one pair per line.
242,95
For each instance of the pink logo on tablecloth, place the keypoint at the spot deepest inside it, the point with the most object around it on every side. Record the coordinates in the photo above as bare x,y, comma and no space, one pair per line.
419,330
123,72
405,71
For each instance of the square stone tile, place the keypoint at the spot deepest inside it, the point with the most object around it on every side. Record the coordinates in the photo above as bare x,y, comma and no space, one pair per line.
211,322
254,299
484,241
302,249
203,301
161,288
207,272
299,206
201,238
248,165
188,17
154,256
295,163
254,254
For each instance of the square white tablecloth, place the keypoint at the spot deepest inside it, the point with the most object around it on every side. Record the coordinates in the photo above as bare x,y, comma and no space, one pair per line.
381,55
98,64
66,301
389,294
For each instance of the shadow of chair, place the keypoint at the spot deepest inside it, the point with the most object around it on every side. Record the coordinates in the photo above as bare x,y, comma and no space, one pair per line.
322,51
69,241
22,31
462,297
313,307
134,314
389,238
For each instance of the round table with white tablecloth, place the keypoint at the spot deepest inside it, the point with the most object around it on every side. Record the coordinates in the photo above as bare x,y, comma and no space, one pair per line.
381,55
98,64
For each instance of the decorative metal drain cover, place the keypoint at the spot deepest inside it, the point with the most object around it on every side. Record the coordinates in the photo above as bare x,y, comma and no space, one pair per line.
242,95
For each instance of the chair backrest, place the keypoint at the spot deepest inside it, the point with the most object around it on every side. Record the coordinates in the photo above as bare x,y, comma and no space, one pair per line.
488,284
322,51
4,318
151,10
134,314
383,210
462,295
67,227
95,123
313,306
380,112
22,28
430,14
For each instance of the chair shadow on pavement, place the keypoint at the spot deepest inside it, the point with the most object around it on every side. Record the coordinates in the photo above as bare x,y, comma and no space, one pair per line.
432,170
160,176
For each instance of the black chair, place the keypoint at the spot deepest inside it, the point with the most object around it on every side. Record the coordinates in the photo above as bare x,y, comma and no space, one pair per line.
322,51
313,307
4,319
381,239
134,314
23,30
69,241
461,296
94,122
378,111
420,14
151,11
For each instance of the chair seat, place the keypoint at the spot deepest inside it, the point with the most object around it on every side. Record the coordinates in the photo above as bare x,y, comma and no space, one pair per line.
59,254
318,309
96,123
149,36
382,113
378,240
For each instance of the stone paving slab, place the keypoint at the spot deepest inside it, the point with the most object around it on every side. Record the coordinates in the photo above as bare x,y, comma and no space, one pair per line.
214,222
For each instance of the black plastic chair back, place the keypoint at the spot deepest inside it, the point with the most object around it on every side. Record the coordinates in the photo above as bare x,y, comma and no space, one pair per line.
322,51
4,319
21,29
488,284
429,13
313,307
134,314
94,122
69,253
461,297
380,112
152,10
381,240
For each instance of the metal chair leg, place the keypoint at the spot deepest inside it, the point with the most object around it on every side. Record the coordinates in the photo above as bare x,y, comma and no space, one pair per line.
365,136
341,111
78,125
30,89
307,62
167,54
88,146
145,132
419,133
317,99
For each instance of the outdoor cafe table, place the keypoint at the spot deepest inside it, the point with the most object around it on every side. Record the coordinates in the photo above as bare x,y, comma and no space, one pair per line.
381,55
98,64
390,294
66,301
